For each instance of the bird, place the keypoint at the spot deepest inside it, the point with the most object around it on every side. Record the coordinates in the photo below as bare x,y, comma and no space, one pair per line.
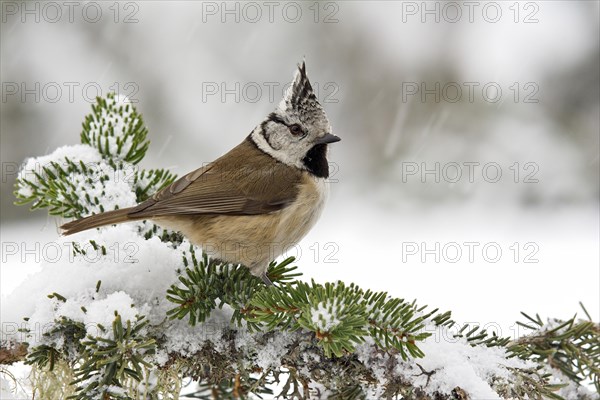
257,200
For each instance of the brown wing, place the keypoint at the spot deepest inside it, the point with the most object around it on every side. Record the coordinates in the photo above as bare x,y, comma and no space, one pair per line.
244,181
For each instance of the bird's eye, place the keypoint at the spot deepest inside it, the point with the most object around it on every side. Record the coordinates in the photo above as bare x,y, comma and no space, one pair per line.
296,130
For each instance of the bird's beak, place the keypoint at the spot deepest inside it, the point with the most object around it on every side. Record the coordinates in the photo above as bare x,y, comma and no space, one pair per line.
329,138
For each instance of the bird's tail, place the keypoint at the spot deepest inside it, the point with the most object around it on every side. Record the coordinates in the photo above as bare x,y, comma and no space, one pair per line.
97,220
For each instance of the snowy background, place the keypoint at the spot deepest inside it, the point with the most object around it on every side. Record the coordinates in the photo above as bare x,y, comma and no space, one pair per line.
494,89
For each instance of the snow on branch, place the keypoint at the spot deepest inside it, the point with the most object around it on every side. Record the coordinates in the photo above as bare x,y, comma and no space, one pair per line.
134,311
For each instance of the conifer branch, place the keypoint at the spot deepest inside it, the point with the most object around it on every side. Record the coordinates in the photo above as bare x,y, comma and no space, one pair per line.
309,340
116,129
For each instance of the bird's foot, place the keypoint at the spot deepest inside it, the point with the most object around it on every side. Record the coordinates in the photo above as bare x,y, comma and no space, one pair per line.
266,279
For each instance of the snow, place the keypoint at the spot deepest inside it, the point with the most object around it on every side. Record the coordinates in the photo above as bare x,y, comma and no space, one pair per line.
116,191
457,363
101,313
77,153
10,390
270,352
123,273
571,390
323,317
454,362
185,339
134,271
138,272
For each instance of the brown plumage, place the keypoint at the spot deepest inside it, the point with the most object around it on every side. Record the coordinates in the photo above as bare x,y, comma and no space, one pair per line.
244,181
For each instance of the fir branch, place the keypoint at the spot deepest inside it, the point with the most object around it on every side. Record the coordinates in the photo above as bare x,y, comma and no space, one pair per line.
340,316
107,362
54,187
148,182
72,188
334,340
210,283
572,347
116,129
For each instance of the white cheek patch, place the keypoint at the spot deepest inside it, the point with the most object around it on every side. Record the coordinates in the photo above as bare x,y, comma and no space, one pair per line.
280,155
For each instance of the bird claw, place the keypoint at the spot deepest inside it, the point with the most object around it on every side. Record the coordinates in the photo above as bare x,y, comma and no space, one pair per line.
266,279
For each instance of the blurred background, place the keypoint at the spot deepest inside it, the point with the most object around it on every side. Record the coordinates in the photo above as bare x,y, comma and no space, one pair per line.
468,173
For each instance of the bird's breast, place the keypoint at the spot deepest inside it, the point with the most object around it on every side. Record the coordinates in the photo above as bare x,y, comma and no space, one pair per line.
300,216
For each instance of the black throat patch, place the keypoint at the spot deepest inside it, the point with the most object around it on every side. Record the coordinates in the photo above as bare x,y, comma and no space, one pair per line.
315,161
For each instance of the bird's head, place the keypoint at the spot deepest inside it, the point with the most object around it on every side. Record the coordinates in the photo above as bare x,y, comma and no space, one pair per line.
297,132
